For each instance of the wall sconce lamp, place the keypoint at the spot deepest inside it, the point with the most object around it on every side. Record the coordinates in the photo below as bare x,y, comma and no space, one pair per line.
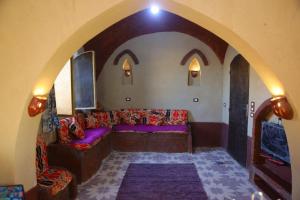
194,71
37,105
281,107
127,77
194,66
127,68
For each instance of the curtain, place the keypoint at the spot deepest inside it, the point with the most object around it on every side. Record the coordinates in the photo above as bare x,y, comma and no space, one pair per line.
50,120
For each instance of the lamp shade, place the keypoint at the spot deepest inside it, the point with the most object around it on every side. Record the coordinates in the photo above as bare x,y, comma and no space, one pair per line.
127,68
281,107
37,105
194,65
126,65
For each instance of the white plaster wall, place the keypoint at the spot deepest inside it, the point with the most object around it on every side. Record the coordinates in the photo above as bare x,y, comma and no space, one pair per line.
258,92
159,81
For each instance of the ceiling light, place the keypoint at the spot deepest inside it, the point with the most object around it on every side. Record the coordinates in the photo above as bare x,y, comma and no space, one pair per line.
154,9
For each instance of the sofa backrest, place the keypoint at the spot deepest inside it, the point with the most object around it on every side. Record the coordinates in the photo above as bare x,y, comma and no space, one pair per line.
130,116
153,116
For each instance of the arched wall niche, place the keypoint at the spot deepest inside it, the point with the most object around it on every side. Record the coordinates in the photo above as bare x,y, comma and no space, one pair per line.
129,53
192,53
271,49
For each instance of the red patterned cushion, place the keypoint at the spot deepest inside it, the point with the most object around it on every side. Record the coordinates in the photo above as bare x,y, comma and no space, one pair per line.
63,131
80,117
132,116
115,117
103,118
92,121
41,161
76,129
177,117
85,146
54,180
155,117
81,147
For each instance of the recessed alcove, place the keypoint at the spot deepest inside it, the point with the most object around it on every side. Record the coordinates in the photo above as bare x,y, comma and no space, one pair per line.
275,180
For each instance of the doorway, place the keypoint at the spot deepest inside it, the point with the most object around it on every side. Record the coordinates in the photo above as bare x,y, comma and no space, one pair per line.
238,109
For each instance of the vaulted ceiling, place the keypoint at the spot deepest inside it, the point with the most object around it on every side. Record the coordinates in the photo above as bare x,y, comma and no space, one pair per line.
140,23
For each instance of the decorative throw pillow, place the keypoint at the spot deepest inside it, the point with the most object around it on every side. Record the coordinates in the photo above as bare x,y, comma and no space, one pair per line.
155,119
41,156
103,118
115,117
80,118
63,131
132,116
177,117
92,122
76,129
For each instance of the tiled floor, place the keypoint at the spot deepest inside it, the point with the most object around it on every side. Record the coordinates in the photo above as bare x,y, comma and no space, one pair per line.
222,177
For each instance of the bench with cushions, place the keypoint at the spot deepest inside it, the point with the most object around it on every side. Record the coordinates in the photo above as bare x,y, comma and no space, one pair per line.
80,149
155,130
86,139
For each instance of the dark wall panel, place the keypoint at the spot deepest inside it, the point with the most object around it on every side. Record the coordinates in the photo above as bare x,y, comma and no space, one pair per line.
209,134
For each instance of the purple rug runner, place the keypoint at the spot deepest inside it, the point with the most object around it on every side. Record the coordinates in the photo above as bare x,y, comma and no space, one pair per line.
161,182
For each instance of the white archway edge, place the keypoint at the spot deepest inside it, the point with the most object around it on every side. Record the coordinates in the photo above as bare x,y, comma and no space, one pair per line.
38,37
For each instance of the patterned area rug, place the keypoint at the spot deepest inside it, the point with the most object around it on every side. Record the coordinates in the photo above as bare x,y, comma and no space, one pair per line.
222,177
161,181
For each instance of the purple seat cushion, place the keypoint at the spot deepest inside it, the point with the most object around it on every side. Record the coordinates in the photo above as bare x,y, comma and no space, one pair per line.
92,135
150,128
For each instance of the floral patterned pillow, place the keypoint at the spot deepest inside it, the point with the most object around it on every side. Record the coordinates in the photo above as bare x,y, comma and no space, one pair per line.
92,121
155,118
63,131
76,129
103,118
115,117
80,118
177,117
41,156
132,116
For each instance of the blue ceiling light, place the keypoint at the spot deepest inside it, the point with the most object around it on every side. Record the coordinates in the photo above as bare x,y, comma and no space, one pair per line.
154,9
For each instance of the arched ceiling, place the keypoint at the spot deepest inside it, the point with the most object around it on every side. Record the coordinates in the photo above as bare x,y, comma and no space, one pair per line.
143,22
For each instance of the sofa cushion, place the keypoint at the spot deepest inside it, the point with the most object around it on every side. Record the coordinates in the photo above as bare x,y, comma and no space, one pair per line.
80,118
41,161
103,118
132,116
63,131
155,117
115,117
176,117
92,121
12,192
151,129
155,120
76,129
92,137
54,180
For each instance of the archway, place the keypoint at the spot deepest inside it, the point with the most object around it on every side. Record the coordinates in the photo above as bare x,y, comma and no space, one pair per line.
79,21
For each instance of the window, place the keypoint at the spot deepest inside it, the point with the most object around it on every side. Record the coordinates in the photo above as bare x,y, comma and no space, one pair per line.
75,84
